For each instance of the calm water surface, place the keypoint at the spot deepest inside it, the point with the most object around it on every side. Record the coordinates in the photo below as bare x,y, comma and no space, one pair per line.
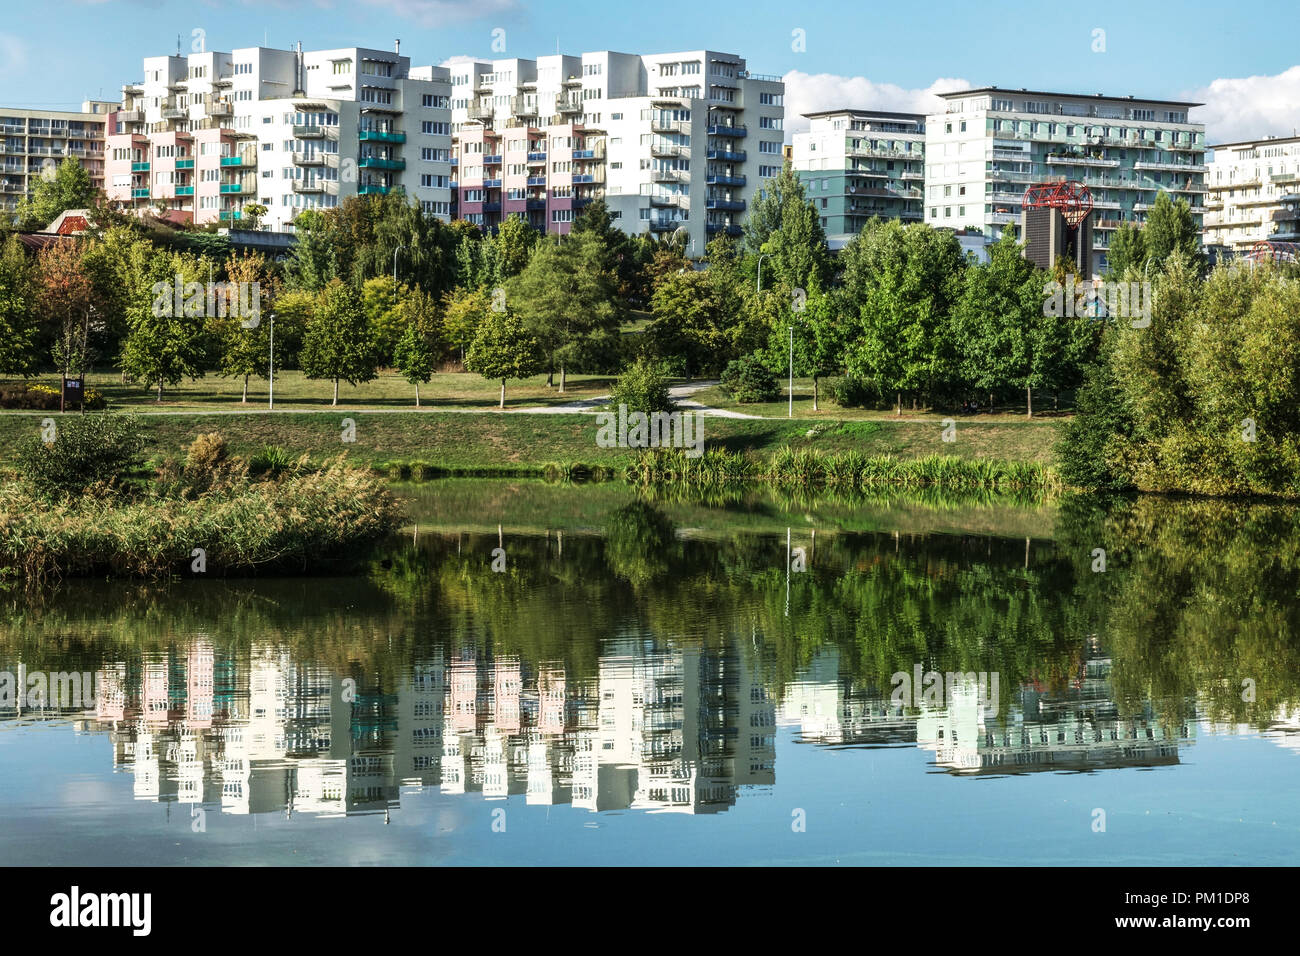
659,682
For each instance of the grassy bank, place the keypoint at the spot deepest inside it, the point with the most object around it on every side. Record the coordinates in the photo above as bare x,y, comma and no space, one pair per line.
310,522
497,444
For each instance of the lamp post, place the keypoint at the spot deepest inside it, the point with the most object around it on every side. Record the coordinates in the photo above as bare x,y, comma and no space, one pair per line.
395,252
270,371
766,255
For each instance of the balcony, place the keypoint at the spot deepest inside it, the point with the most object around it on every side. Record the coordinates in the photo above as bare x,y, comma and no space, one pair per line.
661,125
536,158
535,204
588,154
712,180
309,159
175,112
306,186
491,184
670,176
228,214
140,193
139,167
372,189
309,132
568,104
731,230
665,225
492,207
729,205
492,160
184,190
727,129
130,116
231,188
1170,167
1067,160
233,161
221,108
376,162
669,149
536,181
726,156
184,164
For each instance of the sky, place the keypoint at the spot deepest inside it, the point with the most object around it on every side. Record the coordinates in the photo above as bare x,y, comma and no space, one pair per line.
1244,65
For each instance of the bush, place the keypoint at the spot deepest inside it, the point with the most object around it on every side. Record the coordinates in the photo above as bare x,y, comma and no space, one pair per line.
44,398
642,388
748,380
851,392
206,453
86,452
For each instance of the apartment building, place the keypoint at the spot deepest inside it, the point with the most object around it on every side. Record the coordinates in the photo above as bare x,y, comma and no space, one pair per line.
675,143
856,164
990,144
35,141
204,135
1254,193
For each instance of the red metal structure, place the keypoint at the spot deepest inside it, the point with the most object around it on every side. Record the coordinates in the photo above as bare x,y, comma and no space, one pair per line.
1069,196
1267,250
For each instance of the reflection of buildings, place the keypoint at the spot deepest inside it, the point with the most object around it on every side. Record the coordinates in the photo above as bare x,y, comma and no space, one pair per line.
661,730
1078,729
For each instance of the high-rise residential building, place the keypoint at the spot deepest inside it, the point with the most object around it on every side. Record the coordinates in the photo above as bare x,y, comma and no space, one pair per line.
33,142
1254,193
204,135
856,164
670,141
990,144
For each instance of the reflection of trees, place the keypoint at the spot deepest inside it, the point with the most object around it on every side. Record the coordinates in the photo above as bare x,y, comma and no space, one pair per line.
1197,596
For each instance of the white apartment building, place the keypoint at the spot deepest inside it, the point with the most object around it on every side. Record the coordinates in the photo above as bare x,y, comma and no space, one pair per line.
206,134
859,164
1254,193
33,142
991,144
670,141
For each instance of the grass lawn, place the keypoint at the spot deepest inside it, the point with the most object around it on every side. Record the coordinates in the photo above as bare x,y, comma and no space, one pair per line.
389,390
494,442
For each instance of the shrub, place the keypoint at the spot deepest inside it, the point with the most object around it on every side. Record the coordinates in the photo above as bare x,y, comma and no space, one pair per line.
748,380
44,398
89,451
271,460
849,392
642,388
206,454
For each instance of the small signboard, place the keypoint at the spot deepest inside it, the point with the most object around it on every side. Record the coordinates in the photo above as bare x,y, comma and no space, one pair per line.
74,391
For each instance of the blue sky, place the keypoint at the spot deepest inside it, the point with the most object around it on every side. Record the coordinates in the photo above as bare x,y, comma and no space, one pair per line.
856,54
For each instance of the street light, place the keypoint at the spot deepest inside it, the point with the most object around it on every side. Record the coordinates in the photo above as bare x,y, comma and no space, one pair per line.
766,255
395,252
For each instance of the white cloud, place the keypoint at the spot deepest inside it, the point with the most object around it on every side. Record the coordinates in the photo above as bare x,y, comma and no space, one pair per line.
810,92
1251,107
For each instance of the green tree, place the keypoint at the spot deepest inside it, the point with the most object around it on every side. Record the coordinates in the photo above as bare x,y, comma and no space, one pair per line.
566,296
503,349
164,343
464,311
68,187
382,298
18,323
338,344
417,352
1171,228
1127,250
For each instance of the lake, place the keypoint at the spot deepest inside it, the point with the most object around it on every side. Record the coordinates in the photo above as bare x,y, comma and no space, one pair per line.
550,674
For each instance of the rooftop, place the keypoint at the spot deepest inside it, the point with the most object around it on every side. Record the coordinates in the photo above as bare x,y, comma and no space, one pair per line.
958,94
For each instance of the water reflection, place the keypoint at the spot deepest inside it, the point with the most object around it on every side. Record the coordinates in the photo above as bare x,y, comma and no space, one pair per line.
650,667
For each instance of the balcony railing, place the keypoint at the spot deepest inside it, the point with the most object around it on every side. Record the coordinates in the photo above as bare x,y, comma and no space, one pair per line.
184,164
726,156
712,180
308,132
139,167
536,158
726,129
229,188
232,160
309,159
381,136
376,162
308,186
185,190
372,189
228,214
140,193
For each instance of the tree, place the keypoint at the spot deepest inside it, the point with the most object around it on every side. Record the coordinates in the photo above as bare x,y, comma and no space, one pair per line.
513,245
565,296
382,298
504,349
312,261
165,344
55,192
686,326
66,300
819,339
416,350
1127,250
338,343
1170,228
464,310
18,325
254,213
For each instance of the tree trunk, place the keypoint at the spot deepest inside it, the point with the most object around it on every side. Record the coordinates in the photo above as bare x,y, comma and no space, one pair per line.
550,379
814,393
417,394
244,400
899,411
990,403
1029,401
503,394
160,384
561,379
336,392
